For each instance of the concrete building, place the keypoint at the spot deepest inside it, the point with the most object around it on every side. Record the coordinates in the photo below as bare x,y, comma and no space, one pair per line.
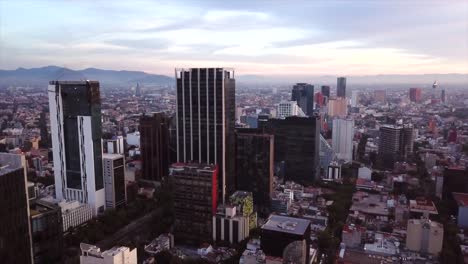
364,173
230,226
91,254
352,235
354,98
462,201
74,213
333,171
415,94
303,95
115,145
195,201
279,231
133,139
290,108
342,138
15,228
205,121
114,179
338,107
75,121
424,236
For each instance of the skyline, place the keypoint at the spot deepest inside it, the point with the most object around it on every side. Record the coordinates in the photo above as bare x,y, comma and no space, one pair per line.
337,37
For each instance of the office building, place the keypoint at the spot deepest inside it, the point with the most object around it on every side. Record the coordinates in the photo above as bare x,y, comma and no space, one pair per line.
319,100
91,254
341,87
425,236
254,164
230,226
280,231
396,143
154,139
333,172
354,98
297,143
443,96
462,214
303,94
326,90
205,121
195,201
115,145
342,138
47,232
75,121
415,94
74,214
133,139
290,108
338,107
15,229
380,96
114,179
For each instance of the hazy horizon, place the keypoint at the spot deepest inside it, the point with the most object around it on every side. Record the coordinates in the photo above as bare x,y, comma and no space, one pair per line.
256,38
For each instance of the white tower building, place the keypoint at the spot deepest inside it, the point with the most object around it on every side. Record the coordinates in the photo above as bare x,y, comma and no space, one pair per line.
342,138
75,120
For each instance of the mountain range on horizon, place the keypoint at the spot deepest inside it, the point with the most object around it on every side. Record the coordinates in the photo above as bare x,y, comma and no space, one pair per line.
39,77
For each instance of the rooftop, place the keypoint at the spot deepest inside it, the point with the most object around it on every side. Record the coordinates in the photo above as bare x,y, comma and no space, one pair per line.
286,224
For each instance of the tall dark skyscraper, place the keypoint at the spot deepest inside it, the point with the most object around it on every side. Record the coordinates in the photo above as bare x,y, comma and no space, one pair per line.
341,87
154,140
297,143
75,122
15,229
396,142
303,94
326,90
254,164
195,201
206,119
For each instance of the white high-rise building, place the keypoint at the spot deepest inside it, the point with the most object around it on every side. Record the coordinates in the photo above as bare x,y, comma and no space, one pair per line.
115,145
354,98
75,123
290,108
342,138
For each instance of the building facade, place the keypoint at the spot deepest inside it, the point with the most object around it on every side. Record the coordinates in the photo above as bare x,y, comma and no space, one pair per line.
154,138
115,145
254,164
415,94
195,201
297,143
424,236
47,232
342,138
338,107
290,108
91,254
303,94
15,228
341,87
75,121
230,226
114,179
205,121
326,90
74,214
395,143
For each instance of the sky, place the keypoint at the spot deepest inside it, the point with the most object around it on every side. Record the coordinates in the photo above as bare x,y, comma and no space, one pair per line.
253,37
